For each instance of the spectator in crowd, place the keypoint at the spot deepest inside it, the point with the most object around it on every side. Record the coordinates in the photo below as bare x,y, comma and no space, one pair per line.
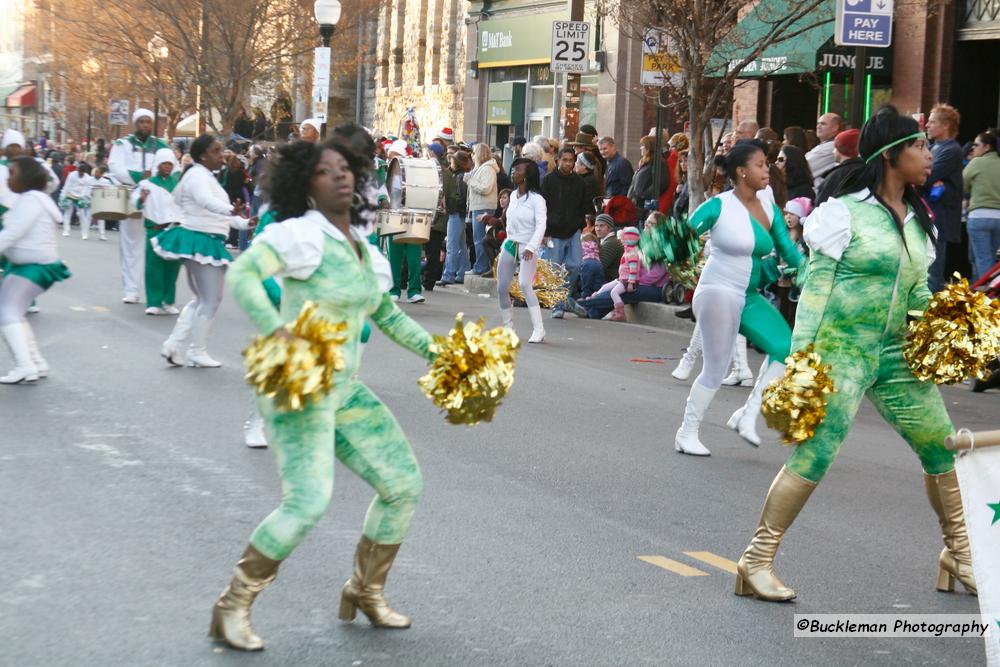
482,182
446,137
534,152
643,189
456,261
618,176
594,185
516,144
548,152
611,248
102,151
566,206
845,152
591,270
820,157
439,228
682,199
766,134
309,130
981,178
726,143
776,182
943,189
259,124
628,274
795,136
747,129
798,177
496,229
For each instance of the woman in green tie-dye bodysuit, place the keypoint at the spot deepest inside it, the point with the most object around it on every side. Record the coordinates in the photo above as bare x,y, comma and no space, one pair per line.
870,251
324,258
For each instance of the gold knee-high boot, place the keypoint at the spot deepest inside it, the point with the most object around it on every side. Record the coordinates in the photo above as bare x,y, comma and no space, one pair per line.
231,613
955,561
365,590
755,569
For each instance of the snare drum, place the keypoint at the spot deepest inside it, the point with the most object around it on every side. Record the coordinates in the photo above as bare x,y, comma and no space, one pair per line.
414,184
110,202
390,222
418,227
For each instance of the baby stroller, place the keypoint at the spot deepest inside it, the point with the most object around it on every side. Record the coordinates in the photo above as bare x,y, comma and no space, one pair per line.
989,283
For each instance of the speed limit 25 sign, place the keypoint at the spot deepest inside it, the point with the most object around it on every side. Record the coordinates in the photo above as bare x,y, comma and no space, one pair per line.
570,46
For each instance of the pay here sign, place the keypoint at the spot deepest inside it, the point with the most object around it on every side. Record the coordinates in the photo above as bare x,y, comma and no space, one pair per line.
864,23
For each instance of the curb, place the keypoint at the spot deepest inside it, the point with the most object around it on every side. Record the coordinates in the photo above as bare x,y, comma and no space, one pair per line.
646,313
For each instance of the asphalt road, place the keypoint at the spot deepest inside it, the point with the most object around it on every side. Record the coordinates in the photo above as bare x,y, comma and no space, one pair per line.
128,496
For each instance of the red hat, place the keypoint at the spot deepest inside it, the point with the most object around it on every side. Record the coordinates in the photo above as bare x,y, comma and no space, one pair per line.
846,143
447,134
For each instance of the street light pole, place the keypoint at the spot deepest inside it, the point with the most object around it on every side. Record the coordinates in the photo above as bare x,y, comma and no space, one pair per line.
327,14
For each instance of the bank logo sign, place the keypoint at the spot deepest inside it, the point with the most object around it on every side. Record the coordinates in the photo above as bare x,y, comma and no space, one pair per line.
496,40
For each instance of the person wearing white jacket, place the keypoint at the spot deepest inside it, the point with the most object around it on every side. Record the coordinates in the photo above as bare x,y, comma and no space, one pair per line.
199,243
75,196
526,219
129,161
28,241
482,181
154,197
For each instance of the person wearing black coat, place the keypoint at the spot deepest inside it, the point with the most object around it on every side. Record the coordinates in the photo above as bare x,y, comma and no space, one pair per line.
566,207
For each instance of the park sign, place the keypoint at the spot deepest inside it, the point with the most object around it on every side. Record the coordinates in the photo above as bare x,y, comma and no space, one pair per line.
864,23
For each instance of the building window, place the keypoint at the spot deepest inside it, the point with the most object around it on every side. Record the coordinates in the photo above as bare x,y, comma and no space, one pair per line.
385,30
397,47
454,19
437,34
422,44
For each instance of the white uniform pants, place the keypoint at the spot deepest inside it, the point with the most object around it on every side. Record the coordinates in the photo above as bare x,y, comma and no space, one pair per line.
132,244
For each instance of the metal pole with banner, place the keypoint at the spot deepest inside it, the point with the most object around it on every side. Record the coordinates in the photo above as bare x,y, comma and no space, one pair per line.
321,84
118,113
571,55
862,24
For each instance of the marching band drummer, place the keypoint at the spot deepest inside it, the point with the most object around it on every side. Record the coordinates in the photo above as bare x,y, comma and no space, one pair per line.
130,161
159,212
400,252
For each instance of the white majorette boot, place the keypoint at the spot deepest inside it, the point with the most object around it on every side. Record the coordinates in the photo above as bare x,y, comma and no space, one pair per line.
686,441
36,354
691,354
744,420
253,431
17,341
537,328
198,352
507,318
174,348
740,375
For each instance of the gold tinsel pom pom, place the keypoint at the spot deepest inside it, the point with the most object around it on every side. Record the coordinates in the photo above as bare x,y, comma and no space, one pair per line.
957,337
795,404
293,371
550,284
473,371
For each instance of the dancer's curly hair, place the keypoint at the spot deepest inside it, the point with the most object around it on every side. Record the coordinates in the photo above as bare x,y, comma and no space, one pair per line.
291,170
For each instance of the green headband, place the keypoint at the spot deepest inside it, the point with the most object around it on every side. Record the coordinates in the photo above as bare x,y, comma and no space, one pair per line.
915,135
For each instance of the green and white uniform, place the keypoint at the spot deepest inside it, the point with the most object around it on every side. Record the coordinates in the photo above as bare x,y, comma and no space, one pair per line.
350,423
862,282
159,213
128,160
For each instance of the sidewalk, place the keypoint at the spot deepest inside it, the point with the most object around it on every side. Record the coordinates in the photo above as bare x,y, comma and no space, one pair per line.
647,314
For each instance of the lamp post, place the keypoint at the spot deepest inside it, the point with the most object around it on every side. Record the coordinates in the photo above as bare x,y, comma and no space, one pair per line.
91,68
327,13
158,51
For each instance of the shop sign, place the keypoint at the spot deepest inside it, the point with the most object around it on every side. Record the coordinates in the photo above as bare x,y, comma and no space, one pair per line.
840,60
519,40
505,103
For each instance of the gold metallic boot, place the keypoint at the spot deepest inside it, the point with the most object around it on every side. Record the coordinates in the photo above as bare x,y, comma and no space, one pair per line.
755,569
231,613
364,590
955,561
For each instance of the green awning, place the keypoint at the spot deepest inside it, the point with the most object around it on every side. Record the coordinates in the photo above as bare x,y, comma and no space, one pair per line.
792,55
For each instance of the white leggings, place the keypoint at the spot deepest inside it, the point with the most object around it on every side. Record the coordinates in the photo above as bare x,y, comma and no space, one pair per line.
16,295
718,311
616,287
526,277
207,282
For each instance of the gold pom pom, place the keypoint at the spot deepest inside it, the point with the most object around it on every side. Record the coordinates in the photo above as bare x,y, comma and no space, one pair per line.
294,371
473,371
795,404
549,285
957,337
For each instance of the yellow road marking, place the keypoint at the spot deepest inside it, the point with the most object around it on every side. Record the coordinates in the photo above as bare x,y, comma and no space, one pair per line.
673,566
713,560
100,309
